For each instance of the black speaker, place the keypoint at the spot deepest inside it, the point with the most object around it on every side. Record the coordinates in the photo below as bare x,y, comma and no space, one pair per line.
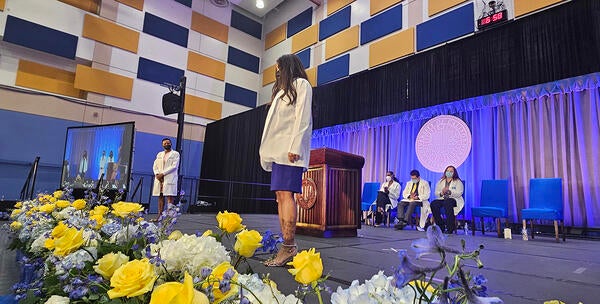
171,103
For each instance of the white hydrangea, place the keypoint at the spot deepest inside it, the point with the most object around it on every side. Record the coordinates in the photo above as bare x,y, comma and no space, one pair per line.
379,289
263,292
37,246
191,253
124,234
57,300
64,213
90,238
76,259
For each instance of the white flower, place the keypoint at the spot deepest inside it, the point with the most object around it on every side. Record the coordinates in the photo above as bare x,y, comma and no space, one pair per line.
76,260
125,234
379,289
38,244
90,238
57,300
64,213
263,292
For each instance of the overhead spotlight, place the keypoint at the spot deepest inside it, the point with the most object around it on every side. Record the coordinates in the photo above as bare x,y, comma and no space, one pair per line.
260,4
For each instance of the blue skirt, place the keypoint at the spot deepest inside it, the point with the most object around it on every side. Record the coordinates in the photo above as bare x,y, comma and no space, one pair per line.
286,178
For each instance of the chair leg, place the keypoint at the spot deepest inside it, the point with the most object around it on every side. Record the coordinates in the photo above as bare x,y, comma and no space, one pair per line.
532,230
524,227
562,227
556,231
498,227
473,221
482,226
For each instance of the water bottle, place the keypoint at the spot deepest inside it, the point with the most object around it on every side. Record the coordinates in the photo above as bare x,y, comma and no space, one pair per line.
524,234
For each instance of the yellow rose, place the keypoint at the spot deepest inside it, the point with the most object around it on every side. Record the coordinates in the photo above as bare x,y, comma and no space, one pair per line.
49,244
100,220
62,203
19,205
59,230
15,212
110,262
230,222
132,279
58,194
48,208
178,293
16,225
208,233
99,210
247,242
124,209
45,198
308,266
217,274
175,235
71,240
79,204
52,199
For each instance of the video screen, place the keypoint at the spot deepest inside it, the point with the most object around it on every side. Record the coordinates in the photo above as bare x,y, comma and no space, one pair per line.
96,152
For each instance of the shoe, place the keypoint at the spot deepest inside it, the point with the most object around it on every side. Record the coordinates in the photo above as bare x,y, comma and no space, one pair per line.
290,250
400,226
420,229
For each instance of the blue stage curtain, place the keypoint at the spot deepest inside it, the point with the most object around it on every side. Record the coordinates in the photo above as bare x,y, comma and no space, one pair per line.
548,130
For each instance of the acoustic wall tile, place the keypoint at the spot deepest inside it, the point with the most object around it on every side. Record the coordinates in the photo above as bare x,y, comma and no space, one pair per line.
335,23
38,37
312,76
341,42
448,26
299,22
166,30
268,75
2,4
241,77
157,72
103,82
162,51
358,60
187,3
213,48
230,108
380,5
305,57
51,14
210,27
46,78
137,4
335,5
85,49
523,7
210,86
240,95
275,36
246,43
246,24
202,107
206,66
110,33
270,56
170,11
333,69
392,47
212,11
86,5
438,6
381,25
123,60
243,60
130,17
305,38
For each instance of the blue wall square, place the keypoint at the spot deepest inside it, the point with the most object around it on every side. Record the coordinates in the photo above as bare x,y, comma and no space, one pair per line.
333,69
300,22
246,25
39,37
335,23
166,30
243,60
448,26
304,57
381,25
240,95
158,72
185,2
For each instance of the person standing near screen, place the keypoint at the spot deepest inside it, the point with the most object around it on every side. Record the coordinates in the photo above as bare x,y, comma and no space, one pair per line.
83,165
165,169
285,146
103,162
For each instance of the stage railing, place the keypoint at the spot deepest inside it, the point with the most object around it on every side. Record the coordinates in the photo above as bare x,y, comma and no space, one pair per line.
29,186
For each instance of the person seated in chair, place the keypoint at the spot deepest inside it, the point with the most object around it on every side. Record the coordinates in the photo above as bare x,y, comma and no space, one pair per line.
449,191
387,195
416,192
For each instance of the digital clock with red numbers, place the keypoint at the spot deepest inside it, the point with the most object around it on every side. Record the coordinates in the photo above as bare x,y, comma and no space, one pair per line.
492,19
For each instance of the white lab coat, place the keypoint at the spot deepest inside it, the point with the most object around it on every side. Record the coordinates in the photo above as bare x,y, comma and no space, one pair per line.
103,162
169,168
424,193
394,192
288,128
456,188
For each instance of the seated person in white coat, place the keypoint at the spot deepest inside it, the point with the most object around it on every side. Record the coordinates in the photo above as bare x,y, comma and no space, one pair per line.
387,196
165,175
449,191
416,192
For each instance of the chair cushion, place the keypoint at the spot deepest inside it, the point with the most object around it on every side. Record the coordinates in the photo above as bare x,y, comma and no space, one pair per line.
488,212
541,213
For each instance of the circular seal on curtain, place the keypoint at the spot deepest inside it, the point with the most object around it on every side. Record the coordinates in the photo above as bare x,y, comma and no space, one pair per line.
443,141
308,197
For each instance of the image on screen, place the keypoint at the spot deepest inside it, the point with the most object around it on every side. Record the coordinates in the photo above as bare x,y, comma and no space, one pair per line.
98,152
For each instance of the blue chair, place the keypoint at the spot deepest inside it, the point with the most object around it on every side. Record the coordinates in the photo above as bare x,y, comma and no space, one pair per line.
545,203
493,203
369,195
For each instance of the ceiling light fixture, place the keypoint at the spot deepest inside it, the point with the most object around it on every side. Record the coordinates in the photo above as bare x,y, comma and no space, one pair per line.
260,4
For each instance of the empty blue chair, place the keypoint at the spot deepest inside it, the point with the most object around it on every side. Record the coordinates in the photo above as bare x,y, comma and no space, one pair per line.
493,203
369,195
545,203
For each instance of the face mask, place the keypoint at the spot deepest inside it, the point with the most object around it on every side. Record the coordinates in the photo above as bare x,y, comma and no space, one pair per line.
277,74
449,174
414,180
388,178
167,147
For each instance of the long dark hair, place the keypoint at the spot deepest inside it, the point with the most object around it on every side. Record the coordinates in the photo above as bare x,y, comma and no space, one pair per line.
454,177
393,176
290,68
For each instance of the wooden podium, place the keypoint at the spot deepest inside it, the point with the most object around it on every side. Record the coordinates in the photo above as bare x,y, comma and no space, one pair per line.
329,205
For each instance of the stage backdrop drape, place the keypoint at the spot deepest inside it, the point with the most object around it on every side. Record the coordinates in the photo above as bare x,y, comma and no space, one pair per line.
549,130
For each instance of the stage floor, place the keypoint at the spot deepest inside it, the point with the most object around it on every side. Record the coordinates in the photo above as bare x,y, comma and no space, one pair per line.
517,271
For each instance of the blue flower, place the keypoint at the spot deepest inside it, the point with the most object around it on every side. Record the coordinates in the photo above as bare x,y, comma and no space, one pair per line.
270,241
434,243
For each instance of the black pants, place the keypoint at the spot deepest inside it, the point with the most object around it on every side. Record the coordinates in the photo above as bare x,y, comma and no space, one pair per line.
448,205
382,200
405,216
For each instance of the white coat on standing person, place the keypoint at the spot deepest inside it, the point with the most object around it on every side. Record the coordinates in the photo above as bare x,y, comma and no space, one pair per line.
165,169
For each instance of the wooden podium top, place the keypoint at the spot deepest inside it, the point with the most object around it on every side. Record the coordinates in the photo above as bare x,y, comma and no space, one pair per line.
335,158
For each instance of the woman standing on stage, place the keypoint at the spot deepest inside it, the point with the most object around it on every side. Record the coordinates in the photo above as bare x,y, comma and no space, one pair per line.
285,146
